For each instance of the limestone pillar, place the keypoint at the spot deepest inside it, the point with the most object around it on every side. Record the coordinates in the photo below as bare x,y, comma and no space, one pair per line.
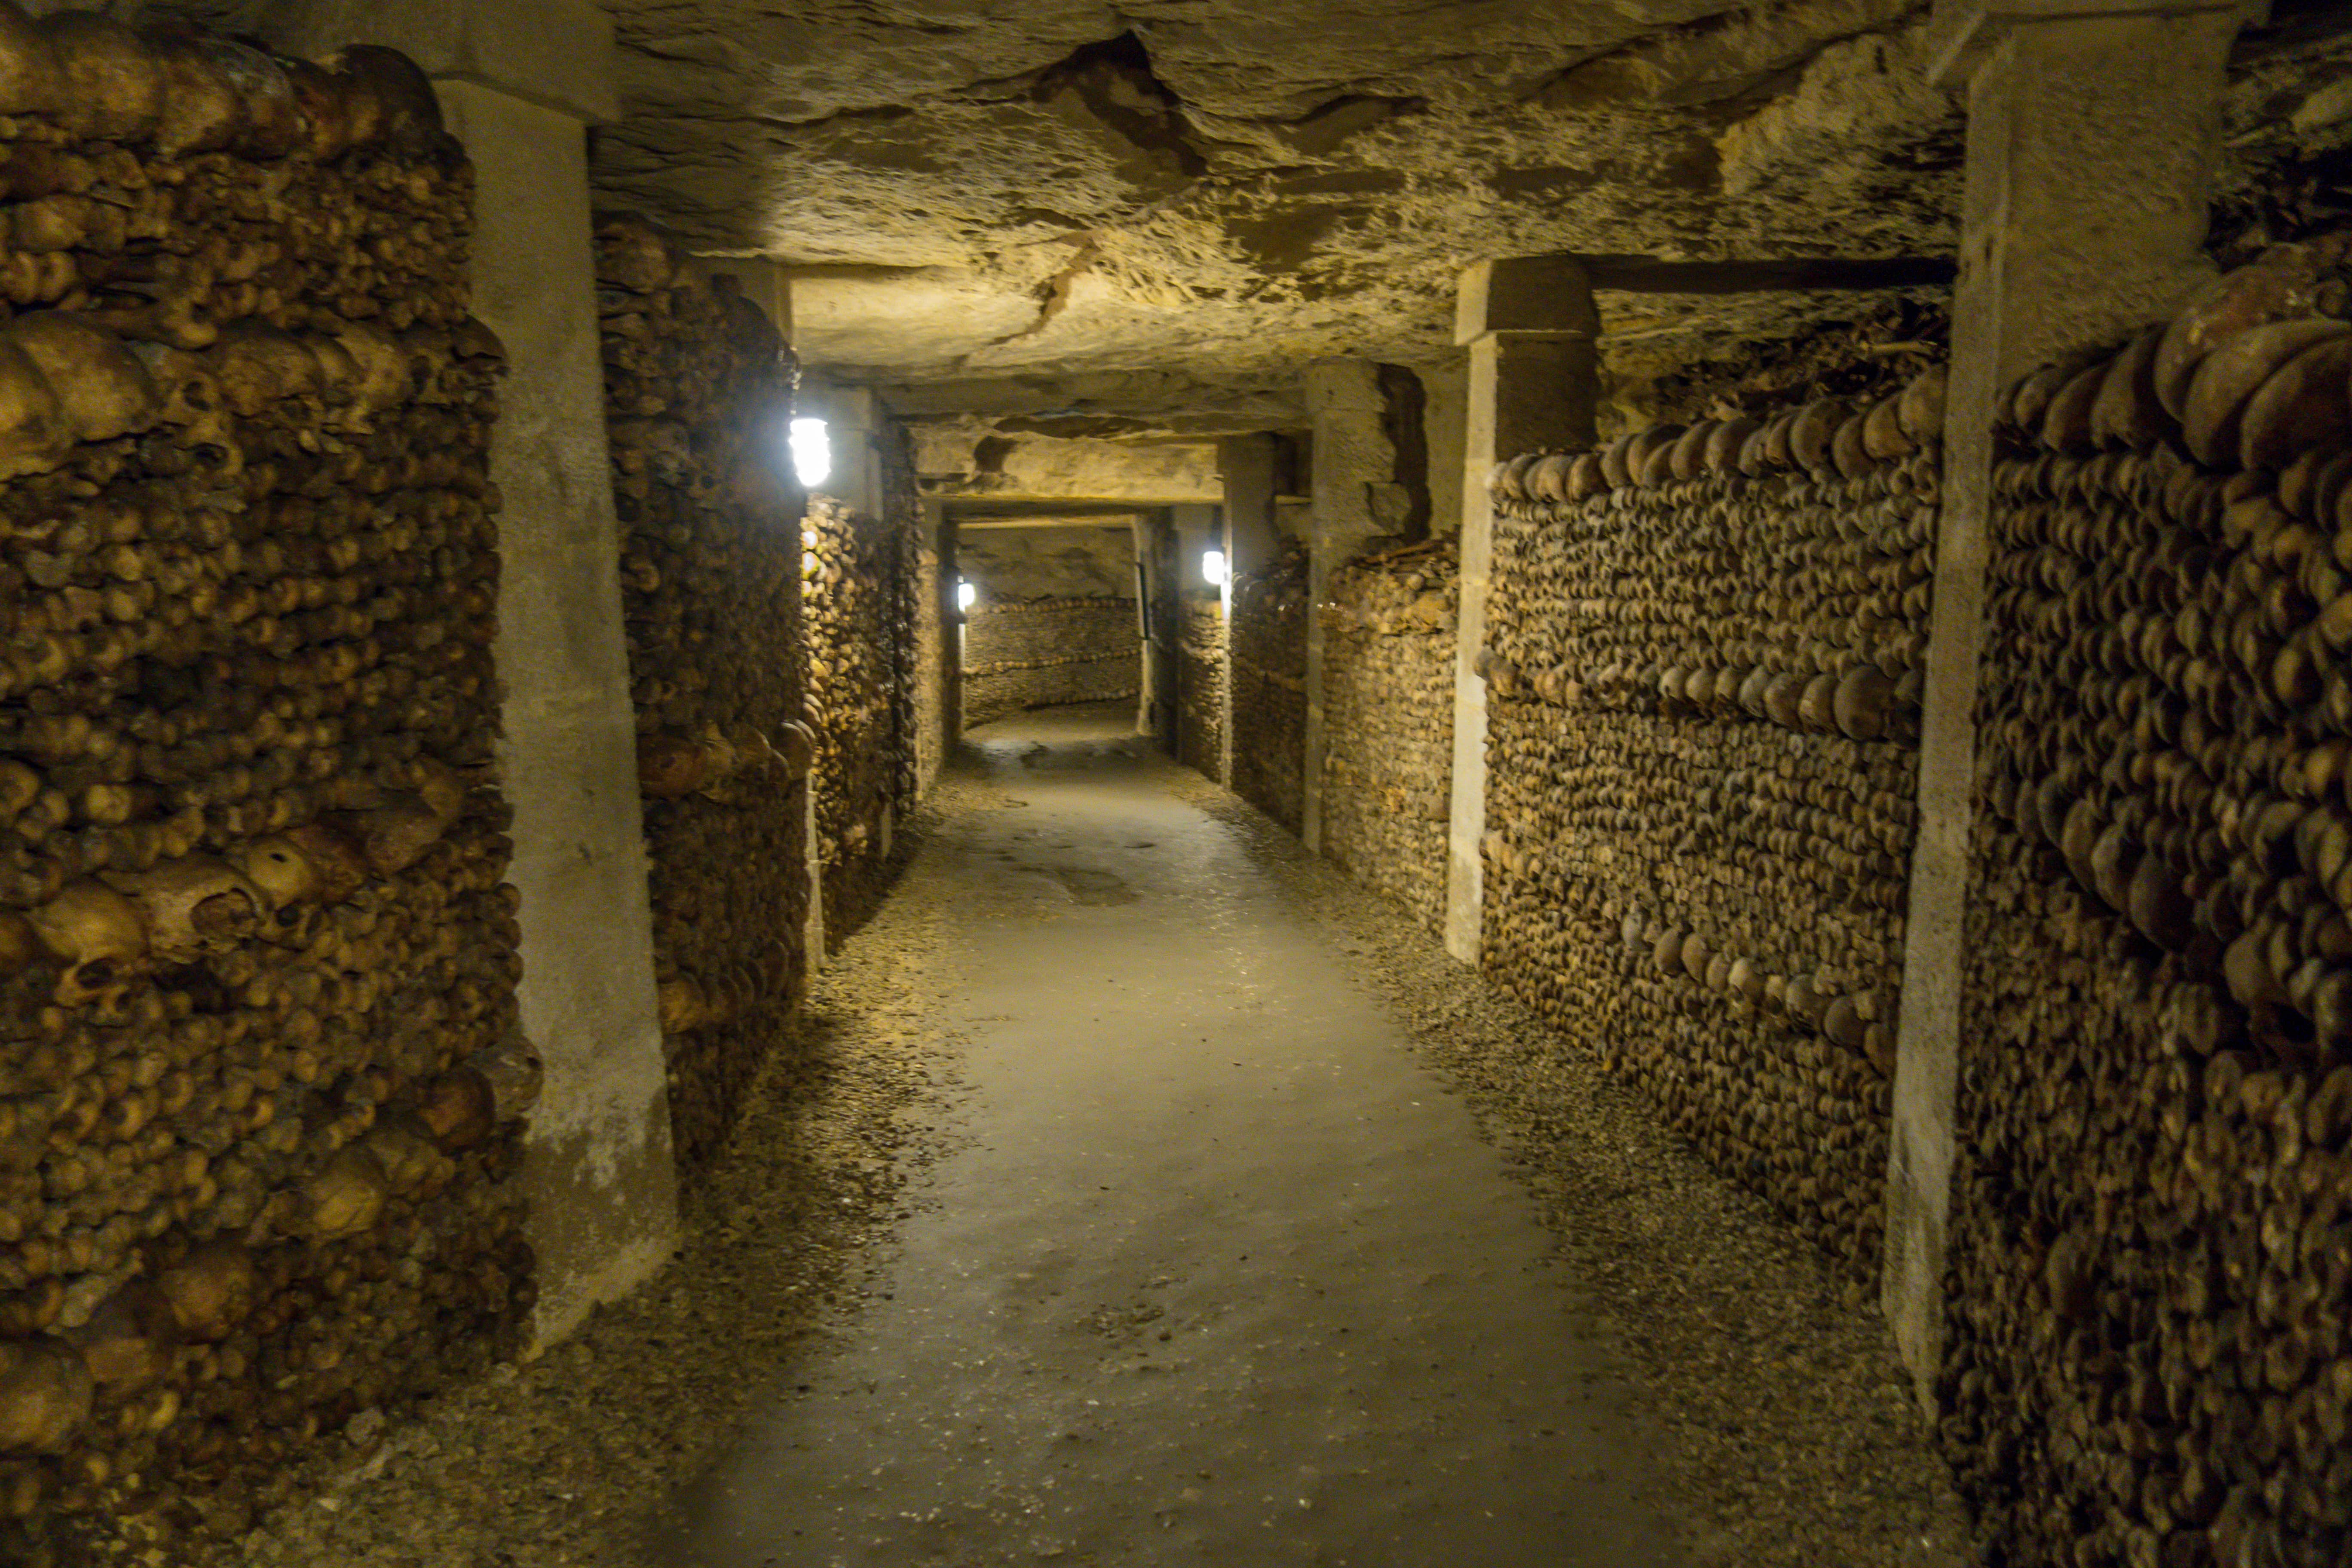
520,84
1530,325
1356,499
1246,463
2088,178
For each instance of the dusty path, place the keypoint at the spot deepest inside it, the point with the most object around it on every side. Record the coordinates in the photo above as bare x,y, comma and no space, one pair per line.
1221,1274
909,1324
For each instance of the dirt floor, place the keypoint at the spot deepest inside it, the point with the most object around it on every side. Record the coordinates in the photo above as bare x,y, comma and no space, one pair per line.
1125,1200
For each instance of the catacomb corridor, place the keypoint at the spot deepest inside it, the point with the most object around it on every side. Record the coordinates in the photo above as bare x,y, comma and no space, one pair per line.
1395,783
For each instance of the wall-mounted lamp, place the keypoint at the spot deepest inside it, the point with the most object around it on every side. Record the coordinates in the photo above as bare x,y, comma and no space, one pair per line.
1213,567
812,453
966,595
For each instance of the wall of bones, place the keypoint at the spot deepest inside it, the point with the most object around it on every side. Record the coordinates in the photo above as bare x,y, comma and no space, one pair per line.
259,1079
1200,675
1267,662
858,587
2151,1265
1037,653
1702,667
1388,707
697,385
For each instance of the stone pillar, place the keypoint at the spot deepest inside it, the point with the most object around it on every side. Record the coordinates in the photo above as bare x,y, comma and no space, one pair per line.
2085,209
1247,464
947,671
1445,421
520,84
1356,500
1530,327
851,416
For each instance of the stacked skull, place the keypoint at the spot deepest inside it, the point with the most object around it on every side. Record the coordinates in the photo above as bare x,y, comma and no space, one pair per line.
1268,670
1387,706
698,397
256,954
2147,1357
1037,653
1703,668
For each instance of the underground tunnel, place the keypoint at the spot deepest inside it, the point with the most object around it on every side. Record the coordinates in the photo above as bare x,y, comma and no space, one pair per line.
1401,785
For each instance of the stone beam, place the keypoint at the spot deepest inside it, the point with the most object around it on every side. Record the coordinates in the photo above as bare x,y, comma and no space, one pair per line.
2088,178
1530,328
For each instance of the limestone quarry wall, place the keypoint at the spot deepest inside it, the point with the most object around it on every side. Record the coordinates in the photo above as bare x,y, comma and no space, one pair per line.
2146,1348
1703,664
1387,704
1200,675
260,1075
1267,666
697,384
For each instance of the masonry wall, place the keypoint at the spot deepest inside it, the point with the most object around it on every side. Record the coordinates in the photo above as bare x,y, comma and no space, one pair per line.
1388,701
1702,655
2147,1346
258,1033
697,384
1268,649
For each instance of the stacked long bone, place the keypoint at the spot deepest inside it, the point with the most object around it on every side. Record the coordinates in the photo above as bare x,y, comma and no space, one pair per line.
697,388
259,1072
2148,1357
1388,699
1703,660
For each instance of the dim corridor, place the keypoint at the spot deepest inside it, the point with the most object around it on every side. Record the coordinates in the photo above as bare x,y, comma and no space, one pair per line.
1215,1273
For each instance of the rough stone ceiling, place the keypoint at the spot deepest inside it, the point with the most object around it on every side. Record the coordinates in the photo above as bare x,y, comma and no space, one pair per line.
1161,211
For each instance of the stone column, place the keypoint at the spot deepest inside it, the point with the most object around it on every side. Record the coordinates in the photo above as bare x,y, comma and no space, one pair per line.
2088,173
947,671
1530,327
1247,464
520,84
1356,499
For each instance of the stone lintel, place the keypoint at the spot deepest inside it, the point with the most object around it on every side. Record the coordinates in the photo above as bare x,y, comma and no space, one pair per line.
1960,33
1525,294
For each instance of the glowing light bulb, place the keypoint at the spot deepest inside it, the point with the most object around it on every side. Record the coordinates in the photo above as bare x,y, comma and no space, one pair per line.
1213,567
811,452
966,595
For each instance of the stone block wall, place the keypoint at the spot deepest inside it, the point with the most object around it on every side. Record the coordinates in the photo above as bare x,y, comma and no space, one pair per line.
697,388
258,1070
1703,662
1387,704
1200,675
1037,653
2146,1355
1268,645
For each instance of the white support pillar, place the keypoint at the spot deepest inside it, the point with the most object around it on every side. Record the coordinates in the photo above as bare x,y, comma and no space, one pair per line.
1247,464
1355,494
1531,328
2088,172
520,84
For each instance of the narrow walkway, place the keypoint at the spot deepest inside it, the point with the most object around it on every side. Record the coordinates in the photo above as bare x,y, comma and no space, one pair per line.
1219,1275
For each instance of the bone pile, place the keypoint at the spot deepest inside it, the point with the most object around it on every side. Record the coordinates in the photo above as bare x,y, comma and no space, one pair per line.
857,620
260,1075
1036,653
2147,1357
1702,677
1388,705
1201,686
1269,669
698,393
